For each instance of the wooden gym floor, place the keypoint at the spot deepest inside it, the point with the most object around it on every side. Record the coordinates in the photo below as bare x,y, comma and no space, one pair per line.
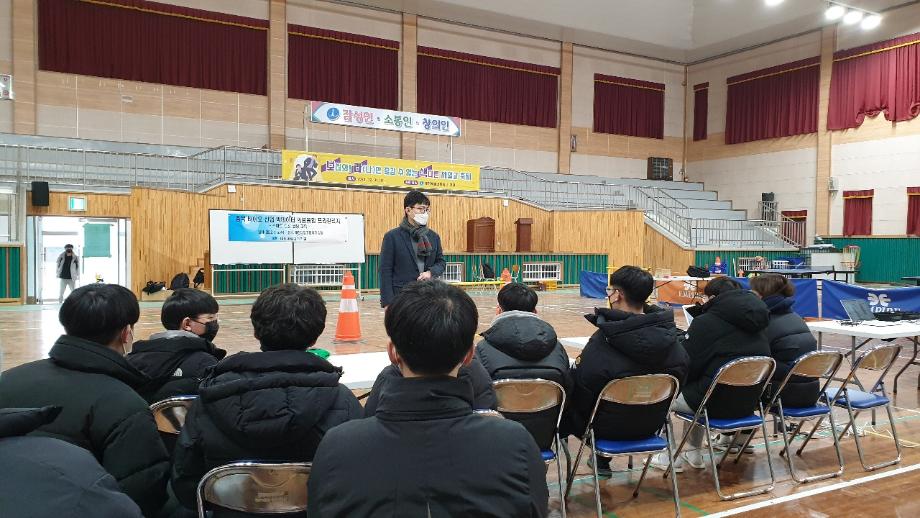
27,334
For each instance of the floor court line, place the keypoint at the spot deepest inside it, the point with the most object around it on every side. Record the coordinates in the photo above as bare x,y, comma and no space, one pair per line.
816,491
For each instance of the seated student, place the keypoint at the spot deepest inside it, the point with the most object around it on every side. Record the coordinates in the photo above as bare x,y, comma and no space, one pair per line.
425,452
176,359
519,344
87,375
789,338
48,477
730,325
632,339
273,405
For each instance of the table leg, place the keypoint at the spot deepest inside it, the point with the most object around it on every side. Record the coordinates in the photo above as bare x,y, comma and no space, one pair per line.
911,361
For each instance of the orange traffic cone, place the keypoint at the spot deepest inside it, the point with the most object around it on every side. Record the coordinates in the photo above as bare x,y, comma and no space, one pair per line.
348,328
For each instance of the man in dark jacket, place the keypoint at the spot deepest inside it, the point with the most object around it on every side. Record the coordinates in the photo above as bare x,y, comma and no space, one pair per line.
176,359
425,453
273,405
410,252
48,477
88,376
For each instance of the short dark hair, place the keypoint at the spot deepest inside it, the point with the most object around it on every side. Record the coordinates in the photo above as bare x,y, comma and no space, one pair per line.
414,198
770,284
517,296
186,302
288,316
634,283
68,246
720,285
98,312
432,325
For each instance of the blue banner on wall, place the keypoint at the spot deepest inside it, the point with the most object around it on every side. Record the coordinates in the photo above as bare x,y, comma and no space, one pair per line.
806,295
593,285
880,301
272,227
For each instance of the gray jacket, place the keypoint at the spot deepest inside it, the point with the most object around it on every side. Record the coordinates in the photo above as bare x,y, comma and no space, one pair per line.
74,266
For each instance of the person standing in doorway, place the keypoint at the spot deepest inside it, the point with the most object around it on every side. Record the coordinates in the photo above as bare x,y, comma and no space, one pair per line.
68,270
410,252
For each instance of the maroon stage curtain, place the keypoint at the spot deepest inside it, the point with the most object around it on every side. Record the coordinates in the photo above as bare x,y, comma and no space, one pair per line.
793,225
774,102
486,89
882,77
332,66
624,106
700,110
136,40
913,211
857,212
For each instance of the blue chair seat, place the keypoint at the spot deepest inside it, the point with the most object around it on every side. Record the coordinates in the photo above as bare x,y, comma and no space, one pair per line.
802,412
653,443
858,399
548,455
750,421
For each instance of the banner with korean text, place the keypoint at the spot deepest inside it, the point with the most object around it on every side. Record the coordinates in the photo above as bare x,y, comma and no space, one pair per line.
377,118
334,168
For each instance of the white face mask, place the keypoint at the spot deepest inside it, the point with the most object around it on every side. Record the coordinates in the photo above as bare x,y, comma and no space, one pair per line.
421,219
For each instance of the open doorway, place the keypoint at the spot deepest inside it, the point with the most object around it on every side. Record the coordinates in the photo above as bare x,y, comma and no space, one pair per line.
102,244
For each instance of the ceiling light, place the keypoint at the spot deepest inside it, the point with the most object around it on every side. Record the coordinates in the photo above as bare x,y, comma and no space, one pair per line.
870,22
835,12
852,17
771,3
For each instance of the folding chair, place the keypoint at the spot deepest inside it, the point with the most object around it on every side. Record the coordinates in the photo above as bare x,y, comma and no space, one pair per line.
487,412
820,365
633,391
529,401
256,488
743,372
169,415
878,358
516,272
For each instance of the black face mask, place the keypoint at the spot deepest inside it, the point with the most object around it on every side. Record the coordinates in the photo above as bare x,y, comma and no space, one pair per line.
210,330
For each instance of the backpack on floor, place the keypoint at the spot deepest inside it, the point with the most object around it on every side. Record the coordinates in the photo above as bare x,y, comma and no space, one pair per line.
179,281
199,277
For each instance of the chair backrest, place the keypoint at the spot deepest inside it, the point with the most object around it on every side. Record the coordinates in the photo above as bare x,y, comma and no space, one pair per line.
639,391
878,358
255,487
169,414
486,412
515,268
535,403
816,364
745,372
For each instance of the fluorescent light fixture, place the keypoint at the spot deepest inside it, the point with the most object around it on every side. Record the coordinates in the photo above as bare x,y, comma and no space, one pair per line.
870,22
853,17
835,12
772,3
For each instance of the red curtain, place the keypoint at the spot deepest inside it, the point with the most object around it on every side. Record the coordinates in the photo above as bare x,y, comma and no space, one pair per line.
486,89
700,110
882,77
332,66
913,211
624,106
857,212
774,102
155,43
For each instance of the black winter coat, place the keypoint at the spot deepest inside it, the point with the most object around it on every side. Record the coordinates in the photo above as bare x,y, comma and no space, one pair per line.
102,413
397,262
266,406
426,453
625,344
175,361
44,477
729,326
474,374
790,338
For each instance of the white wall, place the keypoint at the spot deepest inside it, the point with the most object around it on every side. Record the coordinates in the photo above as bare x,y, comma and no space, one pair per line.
889,166
899,22
459,38
610,166
344,18
249,8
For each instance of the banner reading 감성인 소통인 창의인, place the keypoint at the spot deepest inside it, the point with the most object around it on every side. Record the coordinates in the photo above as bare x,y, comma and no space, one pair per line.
335,168
381,119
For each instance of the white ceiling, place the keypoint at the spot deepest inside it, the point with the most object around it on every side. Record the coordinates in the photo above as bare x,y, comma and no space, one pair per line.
684,31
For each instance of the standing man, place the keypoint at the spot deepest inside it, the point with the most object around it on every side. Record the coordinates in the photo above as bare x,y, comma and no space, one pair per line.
410,252
68,270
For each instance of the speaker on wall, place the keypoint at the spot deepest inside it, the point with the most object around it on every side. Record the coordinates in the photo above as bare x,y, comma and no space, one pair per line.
40,194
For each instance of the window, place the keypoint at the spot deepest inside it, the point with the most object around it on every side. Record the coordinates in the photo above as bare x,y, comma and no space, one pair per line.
533,272
453,273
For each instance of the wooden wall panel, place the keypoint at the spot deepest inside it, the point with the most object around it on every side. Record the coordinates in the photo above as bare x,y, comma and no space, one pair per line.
98,205
619,234
661,252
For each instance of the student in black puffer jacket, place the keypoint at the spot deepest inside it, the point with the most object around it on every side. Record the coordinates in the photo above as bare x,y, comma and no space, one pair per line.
789,338
275,405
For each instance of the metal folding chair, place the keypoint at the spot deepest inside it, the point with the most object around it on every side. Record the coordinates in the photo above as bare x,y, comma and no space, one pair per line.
516,272
743,372
519,397
256,488
639,391
487,412
878,358
169,414
820,365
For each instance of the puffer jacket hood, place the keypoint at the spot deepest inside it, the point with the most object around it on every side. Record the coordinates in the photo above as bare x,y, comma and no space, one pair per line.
741,309
522,335
270,397
644,338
